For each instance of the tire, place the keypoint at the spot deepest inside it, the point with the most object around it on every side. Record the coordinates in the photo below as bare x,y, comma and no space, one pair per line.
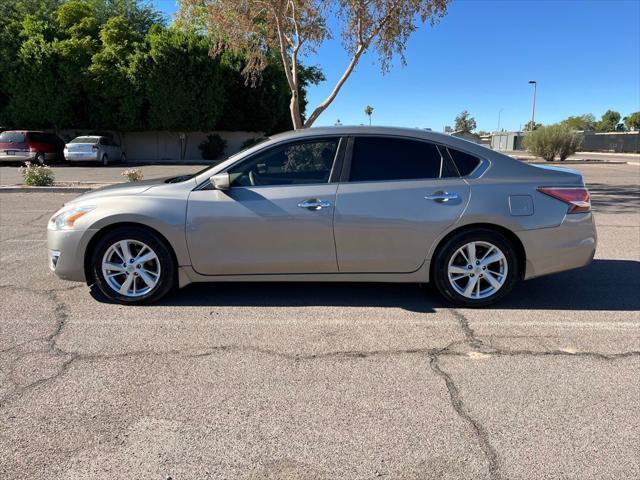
123,158
39,158
109,274
105,160
455,271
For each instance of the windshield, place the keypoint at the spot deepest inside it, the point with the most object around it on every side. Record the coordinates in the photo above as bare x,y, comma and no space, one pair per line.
12,137
85,140
247,146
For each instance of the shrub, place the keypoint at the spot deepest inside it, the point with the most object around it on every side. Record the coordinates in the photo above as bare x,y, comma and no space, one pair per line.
213,147
569,144
37,175
554,140
133,174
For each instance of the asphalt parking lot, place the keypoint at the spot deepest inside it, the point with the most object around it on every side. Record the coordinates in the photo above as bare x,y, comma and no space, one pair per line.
323,381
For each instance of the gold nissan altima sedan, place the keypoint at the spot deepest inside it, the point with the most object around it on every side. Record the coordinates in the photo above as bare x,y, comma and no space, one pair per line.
343,204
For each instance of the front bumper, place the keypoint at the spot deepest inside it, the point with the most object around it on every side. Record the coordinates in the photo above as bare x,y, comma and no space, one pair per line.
66,251
570,245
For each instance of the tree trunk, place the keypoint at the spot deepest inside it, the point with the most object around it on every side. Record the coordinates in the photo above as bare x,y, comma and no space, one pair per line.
294,107
323,106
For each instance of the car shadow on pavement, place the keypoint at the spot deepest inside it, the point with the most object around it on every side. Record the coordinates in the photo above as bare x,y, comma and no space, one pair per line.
603,285
407,296
614,198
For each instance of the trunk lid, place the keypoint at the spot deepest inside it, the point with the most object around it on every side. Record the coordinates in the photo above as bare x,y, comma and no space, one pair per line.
80,147
560,175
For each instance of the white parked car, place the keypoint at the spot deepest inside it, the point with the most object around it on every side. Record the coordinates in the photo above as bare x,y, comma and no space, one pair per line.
93,149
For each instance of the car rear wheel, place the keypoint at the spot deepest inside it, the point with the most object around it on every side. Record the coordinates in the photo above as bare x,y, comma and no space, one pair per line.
105,160
475,268
133,266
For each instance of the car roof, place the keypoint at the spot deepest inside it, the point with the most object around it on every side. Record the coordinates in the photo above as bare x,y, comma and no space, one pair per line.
417,133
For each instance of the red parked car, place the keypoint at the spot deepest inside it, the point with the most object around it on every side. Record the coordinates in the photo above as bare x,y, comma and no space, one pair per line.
30,146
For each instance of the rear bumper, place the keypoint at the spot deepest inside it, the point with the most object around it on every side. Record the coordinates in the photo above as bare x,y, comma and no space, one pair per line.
570,245
81,157
66,250
17,157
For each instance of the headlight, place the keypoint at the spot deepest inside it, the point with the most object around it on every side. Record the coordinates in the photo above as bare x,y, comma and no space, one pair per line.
66,219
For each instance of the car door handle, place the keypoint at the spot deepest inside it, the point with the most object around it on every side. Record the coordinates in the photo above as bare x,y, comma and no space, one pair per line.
442,197
314,204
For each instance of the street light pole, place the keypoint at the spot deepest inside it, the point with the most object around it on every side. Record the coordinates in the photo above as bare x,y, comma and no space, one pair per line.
499,114
533,106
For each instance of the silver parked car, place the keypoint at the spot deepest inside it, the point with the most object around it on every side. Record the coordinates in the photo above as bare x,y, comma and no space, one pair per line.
333,204
93,148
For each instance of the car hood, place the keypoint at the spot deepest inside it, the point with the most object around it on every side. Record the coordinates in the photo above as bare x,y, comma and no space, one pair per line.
120,189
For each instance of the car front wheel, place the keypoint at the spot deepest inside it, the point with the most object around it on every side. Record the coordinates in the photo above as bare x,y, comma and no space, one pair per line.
133,266
475,268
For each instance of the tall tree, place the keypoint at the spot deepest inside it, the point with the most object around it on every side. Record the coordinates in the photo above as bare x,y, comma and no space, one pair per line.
633,121
295,27
465,122
368,111
609,121
580,122
188,104
115,95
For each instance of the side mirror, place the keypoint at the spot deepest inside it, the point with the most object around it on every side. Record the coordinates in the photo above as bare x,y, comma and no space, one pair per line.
221,181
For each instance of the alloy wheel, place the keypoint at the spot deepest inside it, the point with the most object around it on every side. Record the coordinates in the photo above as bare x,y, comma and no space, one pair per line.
131,268
477,270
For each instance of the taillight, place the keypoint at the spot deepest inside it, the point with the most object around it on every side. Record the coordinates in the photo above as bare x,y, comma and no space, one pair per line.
94,148
576,197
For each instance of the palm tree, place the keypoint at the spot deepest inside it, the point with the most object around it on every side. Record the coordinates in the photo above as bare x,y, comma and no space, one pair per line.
368,111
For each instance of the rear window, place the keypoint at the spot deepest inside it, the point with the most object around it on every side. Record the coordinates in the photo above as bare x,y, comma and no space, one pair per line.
85,140
383,158
12,137
465,163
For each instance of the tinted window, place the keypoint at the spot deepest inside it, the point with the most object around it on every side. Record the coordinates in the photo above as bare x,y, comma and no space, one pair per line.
393,159
464,162
37,137
298,163
12,137
85,140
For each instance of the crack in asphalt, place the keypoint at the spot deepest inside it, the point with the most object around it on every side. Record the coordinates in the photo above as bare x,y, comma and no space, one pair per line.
461,410
469,334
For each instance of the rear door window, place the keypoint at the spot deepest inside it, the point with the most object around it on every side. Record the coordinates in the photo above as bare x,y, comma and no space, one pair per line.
387,158
12,137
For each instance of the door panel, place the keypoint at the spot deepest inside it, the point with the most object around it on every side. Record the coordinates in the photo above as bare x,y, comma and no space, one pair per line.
261,230
389,226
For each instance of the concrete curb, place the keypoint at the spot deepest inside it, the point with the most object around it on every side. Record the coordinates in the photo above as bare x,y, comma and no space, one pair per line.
575,162
52,189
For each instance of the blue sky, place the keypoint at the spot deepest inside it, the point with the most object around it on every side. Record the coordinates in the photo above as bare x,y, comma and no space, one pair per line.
585,56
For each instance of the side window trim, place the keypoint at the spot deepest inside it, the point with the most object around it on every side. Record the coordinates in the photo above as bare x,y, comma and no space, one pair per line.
448,161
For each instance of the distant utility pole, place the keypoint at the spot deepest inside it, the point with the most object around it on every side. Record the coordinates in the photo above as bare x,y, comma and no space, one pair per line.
533,106
499,113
